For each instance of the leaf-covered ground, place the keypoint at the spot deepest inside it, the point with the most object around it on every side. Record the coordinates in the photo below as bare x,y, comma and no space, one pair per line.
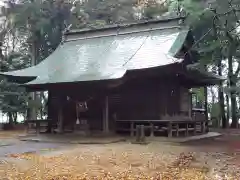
213,159
122,161
10,134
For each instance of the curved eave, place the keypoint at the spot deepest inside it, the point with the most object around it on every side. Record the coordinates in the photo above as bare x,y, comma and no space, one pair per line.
18,79
95,84
22,75
201,77
26,72
104,83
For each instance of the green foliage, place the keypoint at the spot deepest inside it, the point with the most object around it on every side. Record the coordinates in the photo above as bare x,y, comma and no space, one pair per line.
152,12
199,92
215,110
41,23
30,22
12,97
216,31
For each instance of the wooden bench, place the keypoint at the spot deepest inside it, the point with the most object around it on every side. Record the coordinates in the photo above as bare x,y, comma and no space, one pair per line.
148,124
173,127
169,126
37,125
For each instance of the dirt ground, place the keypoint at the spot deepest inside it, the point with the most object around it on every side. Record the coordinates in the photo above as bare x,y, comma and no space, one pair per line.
11,134
217,159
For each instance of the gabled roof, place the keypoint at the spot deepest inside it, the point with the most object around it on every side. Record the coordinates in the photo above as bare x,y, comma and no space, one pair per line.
109,53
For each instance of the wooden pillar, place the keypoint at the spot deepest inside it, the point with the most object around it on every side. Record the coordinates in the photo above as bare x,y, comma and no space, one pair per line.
195,128
152,130
37,127
206,107
60,115
138,133
177,128
142,133
190,105
132,129
106,115
170,129
203,127
60,120
186,129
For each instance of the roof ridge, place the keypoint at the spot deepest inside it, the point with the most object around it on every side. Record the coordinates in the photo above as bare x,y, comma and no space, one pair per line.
126,25
121,33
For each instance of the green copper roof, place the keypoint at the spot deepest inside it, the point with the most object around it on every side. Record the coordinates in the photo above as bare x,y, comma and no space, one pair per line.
103,57
198,75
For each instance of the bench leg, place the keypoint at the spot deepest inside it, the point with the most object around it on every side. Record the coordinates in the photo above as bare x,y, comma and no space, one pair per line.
142,134
27,128
138,133
177,128
152,130
37,128
202,128
169,129
186,129
195,129
132,129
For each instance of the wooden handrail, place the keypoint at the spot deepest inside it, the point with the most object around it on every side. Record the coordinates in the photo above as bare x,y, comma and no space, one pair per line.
162,121
198,109
37,120
170,128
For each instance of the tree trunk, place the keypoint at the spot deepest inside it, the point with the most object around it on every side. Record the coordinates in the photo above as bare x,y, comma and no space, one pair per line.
221,98
15,114
206,107
33,111
218,57
10,119
228,108
41,113
43,107
49,112
232,93
212,95
234,112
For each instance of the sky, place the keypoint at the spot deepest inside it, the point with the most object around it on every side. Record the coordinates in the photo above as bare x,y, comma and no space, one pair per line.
2,2
3,118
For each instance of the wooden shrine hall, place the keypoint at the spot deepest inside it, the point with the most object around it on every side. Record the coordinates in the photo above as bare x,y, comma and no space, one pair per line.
115,78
